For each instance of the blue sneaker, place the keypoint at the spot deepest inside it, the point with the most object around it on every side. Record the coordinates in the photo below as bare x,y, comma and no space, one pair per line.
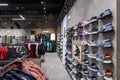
107,27
99,58
93,67
107,43
91,78
105,14
95,43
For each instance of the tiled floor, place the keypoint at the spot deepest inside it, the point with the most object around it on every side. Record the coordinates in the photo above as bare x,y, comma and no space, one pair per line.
53,67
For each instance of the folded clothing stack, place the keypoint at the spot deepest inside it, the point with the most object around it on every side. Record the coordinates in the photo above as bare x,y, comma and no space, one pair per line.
27,70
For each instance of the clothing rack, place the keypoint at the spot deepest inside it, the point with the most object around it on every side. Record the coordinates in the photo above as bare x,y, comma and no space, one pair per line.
11,63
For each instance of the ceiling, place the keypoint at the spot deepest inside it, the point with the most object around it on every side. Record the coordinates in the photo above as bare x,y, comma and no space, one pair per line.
32,10
31,7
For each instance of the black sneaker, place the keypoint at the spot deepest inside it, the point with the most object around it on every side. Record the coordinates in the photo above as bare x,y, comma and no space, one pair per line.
91,78
85,62
85,72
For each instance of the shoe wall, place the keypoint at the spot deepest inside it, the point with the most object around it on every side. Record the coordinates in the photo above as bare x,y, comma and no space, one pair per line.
85,9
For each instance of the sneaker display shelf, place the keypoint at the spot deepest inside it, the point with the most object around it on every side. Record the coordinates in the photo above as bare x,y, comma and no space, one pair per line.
97,48
72,66
59,45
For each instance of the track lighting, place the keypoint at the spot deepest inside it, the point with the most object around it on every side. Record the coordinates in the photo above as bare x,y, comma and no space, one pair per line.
3,4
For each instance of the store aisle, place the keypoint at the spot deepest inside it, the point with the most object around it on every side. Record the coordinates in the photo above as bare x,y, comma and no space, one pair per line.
53,67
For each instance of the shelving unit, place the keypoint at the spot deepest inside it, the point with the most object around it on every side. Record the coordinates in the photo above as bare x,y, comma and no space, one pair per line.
97,50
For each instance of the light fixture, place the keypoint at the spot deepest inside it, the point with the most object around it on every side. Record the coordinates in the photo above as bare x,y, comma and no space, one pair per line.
22,17
15,19
42,2
3,4
44,8
8,31
46,21
46,31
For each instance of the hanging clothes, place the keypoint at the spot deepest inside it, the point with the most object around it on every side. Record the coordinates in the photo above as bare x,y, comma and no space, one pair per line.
41,50
32,50
44,42
50,47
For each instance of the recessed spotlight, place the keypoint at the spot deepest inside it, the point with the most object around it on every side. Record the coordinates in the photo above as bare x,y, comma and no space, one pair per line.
46,21
44,8
42,2
45,17
29,22
5,22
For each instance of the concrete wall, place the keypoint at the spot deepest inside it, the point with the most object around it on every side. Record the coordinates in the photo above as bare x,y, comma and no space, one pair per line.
85,9
118,39
16,32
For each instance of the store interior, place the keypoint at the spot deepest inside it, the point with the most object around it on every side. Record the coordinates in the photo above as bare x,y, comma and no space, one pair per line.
59,40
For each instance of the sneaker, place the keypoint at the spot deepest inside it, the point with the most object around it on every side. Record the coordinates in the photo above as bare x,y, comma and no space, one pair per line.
94,31
93,67
101,73
107,59
99,58
85,72
85,62
70,59
105,14
108,78
93,19
85,52
94,43
91,78
108,75
71,73
68,52
75,28
86,32
93,55
80,33
107,43
107,27
82,79
74,63
84,23
80,25
74,70
85,42
75,33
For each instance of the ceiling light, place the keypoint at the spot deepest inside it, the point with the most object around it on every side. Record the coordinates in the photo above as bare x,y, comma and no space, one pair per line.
15,19
42,2
5,22
46,21
22,17
46,31
29,22
8,31
3,4
44,8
